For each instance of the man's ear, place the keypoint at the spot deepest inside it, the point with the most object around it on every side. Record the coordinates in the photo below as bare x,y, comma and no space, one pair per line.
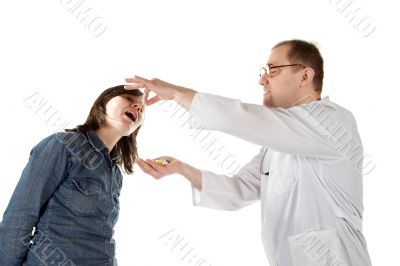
308,76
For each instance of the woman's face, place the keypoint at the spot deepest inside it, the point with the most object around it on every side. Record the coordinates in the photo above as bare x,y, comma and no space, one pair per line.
125,113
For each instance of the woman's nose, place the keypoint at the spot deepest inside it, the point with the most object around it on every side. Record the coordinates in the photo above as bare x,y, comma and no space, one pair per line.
137,106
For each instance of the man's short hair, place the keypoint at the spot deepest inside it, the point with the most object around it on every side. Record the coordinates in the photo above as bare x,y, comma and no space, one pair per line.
306,53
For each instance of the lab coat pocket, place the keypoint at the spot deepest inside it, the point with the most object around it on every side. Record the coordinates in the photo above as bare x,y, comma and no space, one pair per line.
83,196
315,248
284,173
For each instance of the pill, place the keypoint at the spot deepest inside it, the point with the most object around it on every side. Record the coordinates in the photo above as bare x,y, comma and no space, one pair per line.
161,162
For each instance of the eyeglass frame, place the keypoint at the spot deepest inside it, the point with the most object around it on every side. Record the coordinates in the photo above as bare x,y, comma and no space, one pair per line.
267,68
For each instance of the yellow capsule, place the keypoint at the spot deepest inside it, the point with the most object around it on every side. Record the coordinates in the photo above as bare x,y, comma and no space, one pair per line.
161,162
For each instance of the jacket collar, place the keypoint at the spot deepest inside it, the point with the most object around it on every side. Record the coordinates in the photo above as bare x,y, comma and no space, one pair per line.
95,141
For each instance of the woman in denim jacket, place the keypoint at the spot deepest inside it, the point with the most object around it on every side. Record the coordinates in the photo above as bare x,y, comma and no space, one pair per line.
65,205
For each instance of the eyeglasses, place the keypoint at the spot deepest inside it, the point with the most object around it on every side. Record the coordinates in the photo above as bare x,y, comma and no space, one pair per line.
269,70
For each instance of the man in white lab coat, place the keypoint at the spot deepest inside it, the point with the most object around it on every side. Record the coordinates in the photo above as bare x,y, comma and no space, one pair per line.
308,173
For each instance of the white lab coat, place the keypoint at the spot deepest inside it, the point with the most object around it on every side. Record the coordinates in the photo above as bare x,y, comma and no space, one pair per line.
311,199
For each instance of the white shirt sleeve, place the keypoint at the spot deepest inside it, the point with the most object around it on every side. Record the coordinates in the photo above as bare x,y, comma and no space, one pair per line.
300,130
230,193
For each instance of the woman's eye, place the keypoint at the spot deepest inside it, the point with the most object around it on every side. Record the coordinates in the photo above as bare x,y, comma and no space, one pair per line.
126,97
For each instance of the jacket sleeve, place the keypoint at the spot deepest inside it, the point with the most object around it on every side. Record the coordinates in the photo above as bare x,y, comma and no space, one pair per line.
301,130
45,169
230,193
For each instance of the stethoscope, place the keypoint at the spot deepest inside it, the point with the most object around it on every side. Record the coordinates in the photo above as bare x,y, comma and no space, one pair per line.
266,156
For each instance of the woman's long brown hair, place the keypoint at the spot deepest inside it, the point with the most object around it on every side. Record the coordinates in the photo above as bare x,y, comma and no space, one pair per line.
125,151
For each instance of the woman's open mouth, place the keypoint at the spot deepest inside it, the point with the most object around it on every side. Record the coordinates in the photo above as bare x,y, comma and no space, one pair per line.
131,115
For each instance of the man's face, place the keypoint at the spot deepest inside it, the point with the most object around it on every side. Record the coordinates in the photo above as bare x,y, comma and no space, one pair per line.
282,87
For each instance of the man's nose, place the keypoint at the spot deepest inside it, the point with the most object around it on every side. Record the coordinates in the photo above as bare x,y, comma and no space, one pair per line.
263,80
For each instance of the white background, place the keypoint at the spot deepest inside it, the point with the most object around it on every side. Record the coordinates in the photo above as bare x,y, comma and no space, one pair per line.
210,46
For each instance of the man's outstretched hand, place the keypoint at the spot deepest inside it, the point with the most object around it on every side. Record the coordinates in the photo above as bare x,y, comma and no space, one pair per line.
162,89
173,166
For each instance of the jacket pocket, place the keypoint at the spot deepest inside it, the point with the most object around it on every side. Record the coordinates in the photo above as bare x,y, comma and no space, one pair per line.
313,248
83,196
283,175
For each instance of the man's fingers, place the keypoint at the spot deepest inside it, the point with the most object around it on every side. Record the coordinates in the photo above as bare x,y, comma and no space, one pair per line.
137,79
152,100
145,95
161,170
136,83
134,86
144,166
147,168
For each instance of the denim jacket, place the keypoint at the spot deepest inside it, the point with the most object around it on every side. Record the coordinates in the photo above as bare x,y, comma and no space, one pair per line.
65,205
